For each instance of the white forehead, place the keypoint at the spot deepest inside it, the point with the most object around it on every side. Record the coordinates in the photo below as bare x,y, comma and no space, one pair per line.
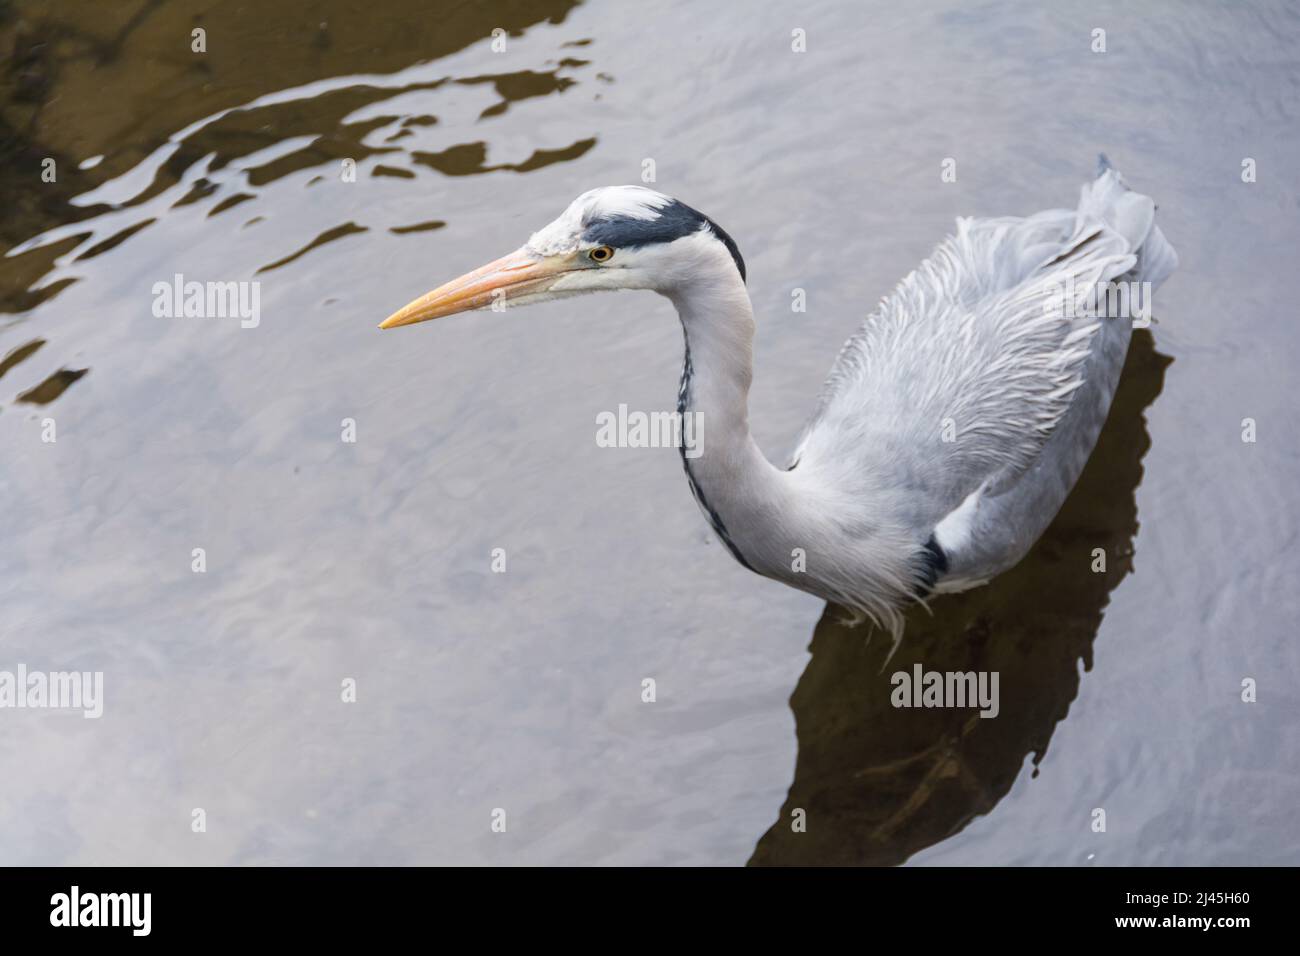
564,234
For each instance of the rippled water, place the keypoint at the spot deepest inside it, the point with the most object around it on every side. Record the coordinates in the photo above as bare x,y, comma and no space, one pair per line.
329,560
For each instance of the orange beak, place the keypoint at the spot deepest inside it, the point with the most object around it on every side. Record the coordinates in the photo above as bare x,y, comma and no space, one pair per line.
512,276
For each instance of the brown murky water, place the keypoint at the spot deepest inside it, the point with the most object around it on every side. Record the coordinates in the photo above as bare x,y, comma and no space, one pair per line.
329,560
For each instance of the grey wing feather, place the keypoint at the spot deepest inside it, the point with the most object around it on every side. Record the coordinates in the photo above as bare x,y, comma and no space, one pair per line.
976,390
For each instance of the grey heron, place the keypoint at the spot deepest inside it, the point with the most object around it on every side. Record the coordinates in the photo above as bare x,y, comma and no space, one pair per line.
954,422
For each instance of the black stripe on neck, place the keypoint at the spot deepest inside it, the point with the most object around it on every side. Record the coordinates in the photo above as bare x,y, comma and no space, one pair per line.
714,519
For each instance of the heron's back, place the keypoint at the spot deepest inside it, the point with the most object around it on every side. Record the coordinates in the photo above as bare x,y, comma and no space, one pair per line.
984,378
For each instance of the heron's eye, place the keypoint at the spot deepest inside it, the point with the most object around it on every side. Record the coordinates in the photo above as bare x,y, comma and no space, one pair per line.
601,254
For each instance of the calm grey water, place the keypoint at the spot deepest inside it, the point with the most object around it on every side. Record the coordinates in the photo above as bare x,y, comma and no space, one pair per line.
370,561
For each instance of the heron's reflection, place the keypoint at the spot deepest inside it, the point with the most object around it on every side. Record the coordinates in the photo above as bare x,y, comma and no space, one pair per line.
877,783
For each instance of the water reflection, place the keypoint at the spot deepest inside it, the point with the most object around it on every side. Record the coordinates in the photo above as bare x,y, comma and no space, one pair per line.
234,123
878,784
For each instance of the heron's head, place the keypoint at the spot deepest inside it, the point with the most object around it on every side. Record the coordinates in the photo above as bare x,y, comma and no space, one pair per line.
616,237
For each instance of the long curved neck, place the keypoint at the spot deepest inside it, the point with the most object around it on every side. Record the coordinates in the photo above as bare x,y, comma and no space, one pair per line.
744,497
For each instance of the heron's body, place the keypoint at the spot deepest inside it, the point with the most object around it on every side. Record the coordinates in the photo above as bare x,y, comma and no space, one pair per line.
954,422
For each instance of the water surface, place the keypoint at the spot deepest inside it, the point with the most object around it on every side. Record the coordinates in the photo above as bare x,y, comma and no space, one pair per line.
370,561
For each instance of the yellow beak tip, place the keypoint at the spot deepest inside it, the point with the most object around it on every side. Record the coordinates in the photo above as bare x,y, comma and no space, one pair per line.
520,270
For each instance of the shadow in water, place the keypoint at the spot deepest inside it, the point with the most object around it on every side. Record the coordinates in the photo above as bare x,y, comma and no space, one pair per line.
879,783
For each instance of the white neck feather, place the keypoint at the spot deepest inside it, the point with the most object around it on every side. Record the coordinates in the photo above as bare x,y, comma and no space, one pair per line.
851,553
750,503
